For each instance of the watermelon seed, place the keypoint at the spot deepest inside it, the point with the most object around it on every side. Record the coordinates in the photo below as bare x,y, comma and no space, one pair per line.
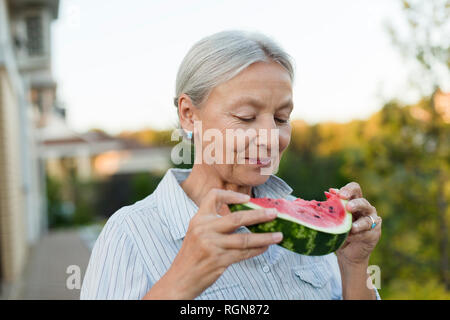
318,217
331,209
318,204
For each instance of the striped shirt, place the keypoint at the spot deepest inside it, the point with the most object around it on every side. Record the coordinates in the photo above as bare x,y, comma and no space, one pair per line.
139,242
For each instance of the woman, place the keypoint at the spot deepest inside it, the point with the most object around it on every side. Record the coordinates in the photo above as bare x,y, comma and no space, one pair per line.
181,242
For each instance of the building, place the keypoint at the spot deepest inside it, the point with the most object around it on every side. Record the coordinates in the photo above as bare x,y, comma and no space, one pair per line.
27,100
96,154
36,141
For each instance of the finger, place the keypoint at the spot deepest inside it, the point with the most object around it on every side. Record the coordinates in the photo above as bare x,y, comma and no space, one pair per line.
360,207
364,223
250,240
334,191
231,222
351,191
215,198
236,255
366,236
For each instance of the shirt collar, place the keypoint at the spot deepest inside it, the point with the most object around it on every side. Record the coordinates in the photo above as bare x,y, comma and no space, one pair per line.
177,208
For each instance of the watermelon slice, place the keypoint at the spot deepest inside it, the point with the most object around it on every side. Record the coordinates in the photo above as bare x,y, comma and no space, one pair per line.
309,227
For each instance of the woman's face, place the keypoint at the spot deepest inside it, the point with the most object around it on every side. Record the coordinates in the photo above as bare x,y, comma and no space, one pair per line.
257,100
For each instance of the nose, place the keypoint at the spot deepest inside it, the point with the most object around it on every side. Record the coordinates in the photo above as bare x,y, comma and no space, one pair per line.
268,137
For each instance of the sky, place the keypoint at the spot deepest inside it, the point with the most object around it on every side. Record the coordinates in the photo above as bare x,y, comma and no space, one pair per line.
116,61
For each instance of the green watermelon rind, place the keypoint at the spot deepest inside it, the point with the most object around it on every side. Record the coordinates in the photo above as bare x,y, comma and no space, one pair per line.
299,236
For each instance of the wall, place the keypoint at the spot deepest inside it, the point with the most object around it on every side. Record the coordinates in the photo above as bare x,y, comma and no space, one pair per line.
13,247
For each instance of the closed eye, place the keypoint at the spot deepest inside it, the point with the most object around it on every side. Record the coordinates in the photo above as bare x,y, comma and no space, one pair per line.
281,120
250,119
246,119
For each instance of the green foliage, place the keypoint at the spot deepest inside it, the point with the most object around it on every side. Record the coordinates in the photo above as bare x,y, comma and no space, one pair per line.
142,185
409,158
75,208
430,289
55,211
84,195
400,157
309,175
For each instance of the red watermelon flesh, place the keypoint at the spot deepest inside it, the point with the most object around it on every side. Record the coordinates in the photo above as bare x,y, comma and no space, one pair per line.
324,214
309,227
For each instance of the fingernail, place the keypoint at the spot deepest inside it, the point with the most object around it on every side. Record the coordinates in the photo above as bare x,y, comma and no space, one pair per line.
344,194
277,236
355,225
245,197
350,205
271,212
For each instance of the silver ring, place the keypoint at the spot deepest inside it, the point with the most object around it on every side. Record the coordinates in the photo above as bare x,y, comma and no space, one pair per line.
374,224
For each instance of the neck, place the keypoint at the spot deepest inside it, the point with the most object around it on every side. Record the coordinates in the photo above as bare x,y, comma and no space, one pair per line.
205,177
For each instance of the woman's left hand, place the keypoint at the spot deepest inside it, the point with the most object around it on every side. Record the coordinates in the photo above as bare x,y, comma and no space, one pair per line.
362,239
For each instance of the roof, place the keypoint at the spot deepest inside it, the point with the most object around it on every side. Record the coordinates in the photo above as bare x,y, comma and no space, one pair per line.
52,4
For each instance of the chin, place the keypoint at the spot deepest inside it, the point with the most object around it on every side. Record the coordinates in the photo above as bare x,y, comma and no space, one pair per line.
252,176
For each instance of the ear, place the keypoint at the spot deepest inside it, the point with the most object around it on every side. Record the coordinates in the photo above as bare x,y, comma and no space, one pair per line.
187,112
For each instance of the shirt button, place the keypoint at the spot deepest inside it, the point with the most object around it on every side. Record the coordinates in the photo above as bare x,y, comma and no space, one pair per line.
266,268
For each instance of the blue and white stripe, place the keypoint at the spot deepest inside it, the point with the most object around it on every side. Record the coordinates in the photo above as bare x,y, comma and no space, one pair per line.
139,242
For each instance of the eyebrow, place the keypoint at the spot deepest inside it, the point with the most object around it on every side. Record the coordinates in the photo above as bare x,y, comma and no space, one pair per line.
259,104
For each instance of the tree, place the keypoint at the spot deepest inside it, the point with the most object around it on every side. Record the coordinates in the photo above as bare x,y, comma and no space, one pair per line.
428,43
422,38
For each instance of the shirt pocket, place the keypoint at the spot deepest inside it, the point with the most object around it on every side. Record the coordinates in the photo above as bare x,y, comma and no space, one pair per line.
231,291
312,281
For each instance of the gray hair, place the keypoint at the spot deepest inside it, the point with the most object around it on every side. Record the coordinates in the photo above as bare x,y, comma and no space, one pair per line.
217,58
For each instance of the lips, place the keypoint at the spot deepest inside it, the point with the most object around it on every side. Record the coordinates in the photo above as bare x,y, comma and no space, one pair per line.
259,161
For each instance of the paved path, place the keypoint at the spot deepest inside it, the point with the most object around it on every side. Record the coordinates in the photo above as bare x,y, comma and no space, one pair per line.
46,274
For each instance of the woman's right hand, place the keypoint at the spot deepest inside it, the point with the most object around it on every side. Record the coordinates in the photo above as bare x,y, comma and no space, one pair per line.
210,246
